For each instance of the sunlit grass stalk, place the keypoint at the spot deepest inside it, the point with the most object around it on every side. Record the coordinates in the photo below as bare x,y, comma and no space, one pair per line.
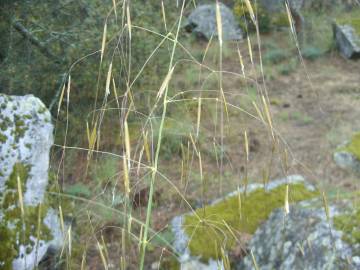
286,203
222,95
254,260
154,170
326,206
102,255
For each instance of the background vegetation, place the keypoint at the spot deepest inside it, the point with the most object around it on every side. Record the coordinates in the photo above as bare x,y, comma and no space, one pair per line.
108,69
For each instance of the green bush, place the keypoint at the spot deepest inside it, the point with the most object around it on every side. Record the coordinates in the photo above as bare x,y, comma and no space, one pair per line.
276,56
311,53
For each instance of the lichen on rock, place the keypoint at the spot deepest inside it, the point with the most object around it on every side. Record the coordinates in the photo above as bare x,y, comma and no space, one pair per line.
28,226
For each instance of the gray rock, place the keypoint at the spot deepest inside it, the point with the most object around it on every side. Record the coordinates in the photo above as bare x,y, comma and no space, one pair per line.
347,41
25,141
303,239
182,239
202,22
347,160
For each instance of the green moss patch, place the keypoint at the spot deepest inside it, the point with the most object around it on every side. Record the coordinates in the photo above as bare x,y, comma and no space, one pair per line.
216,226
266,20
16,228
349,224
353,22
353,146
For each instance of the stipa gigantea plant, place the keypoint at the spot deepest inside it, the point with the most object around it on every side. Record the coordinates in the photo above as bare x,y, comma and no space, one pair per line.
141,153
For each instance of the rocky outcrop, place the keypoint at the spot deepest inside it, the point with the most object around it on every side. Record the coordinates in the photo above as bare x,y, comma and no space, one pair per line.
200,243
28,226
348,155
347,40
202,22
303,239
301,235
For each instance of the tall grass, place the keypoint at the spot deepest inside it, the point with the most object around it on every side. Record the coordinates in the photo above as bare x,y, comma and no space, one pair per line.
213,115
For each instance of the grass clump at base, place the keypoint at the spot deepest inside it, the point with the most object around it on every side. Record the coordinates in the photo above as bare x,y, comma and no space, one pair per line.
219,223
354,146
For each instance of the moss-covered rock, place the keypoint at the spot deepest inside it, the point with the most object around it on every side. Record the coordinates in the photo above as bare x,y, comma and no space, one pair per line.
28,226
348,156
304,239
217,226
349,224
347,34
354,146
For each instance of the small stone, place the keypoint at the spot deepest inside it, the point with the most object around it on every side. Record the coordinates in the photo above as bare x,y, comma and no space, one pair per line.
347,41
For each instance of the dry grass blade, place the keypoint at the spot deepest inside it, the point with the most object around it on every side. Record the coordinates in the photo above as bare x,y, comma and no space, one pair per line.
246,146
241,61
102,256
163,14
286,203
146,146
268,116
68,91
115,93
127,143
128,20
201,169
165,83
198,117
291,21
61,99
103,43
251,11
225,102
69,240
92,137
254,260
250,50
139,160
62,224
219,23
108,80
83,260
258,111
194,145
207,48
114,7
103,244
126,178
225,260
